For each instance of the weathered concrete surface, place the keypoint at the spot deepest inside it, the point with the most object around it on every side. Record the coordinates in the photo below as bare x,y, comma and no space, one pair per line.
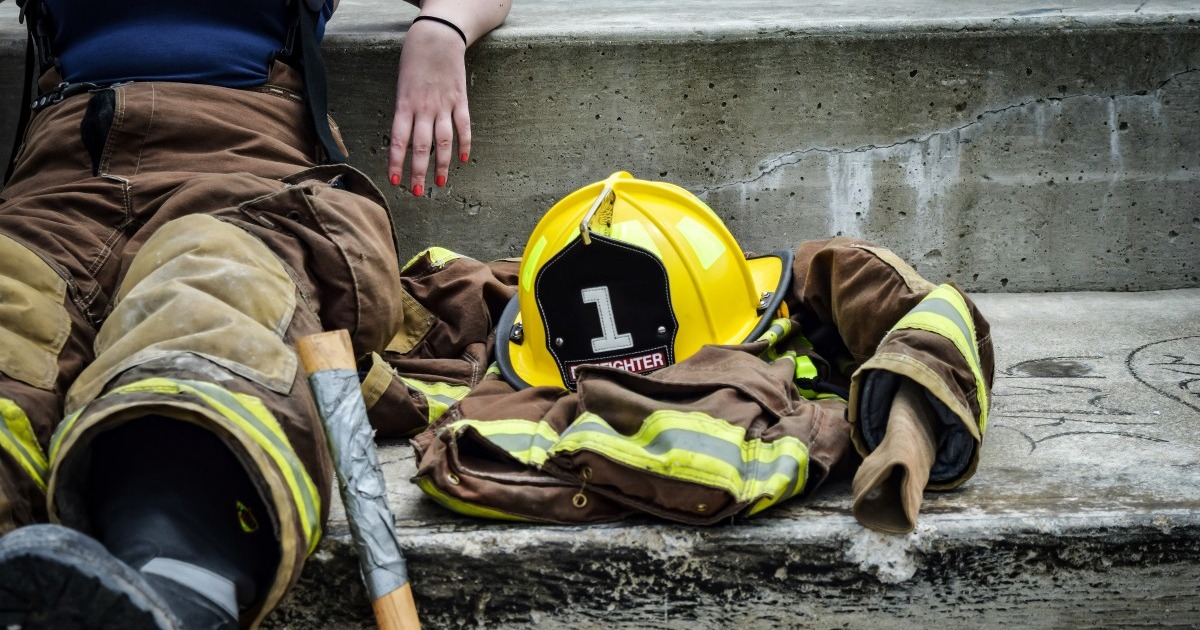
1009,145
1085,513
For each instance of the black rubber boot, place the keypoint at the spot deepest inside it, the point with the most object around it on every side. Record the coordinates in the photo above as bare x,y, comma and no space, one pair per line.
170,499
198,611
52,577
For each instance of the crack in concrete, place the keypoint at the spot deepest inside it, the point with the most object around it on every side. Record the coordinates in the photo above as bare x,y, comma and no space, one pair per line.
794,157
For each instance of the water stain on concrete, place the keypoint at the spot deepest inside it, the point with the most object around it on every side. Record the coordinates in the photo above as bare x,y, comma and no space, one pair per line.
1052,367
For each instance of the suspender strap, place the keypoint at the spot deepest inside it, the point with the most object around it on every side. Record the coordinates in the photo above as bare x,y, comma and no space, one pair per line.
37,53
26,103
34,12
38,58
315,87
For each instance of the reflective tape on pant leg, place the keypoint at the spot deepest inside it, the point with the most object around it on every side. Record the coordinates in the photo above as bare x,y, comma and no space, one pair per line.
250,414
945,312
18,440
249,417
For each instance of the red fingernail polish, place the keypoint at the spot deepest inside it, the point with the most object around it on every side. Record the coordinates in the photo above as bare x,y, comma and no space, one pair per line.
418,190
462,157
395,179
441,180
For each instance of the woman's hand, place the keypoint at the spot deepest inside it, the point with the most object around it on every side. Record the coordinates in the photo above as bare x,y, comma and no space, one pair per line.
431,105
431,89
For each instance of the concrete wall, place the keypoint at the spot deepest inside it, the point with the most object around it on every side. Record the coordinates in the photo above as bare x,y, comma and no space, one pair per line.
1007,155
1029,162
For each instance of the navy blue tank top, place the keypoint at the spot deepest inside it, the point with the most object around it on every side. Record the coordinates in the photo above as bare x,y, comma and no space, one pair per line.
214,42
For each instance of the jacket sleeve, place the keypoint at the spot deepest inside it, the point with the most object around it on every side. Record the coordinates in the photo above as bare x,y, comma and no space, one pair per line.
875,318
443,348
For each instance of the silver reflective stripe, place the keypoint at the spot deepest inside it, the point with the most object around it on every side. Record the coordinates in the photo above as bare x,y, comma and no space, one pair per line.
441,399
212,586
690,441
518,442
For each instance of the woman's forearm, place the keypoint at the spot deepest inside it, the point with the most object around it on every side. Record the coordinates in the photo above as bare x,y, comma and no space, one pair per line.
476,18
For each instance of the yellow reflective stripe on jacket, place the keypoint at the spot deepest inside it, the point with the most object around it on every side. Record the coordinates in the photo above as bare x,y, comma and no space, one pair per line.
462,507
255,420
18,440
697,448
438,396
944,312
438,257
806,370
529,442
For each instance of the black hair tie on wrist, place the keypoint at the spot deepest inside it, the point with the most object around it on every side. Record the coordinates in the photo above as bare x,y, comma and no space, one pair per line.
442,21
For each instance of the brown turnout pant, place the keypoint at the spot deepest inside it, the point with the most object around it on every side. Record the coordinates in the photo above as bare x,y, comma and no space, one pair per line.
161,247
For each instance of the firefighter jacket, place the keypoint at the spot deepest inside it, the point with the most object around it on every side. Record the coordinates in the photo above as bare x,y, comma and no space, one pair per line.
730,431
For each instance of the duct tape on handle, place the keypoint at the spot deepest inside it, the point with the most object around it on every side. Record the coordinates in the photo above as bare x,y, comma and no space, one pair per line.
363,490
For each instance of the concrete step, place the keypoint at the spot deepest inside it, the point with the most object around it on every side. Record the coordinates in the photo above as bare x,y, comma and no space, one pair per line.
1013,146
1008,145
1085,513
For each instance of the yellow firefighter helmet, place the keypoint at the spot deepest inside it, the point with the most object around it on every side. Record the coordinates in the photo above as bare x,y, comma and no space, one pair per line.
635,275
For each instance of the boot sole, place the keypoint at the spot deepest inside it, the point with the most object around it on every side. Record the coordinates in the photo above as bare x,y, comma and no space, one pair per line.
55,577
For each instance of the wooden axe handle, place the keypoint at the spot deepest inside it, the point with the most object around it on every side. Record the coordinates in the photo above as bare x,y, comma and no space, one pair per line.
397,610
332,351
326,351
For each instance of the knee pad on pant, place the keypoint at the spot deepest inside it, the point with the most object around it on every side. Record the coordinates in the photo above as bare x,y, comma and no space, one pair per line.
204,287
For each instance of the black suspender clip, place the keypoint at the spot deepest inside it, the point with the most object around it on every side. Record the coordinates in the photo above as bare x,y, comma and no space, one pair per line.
62,91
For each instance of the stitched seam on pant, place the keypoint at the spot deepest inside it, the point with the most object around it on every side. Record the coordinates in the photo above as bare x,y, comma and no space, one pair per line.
85,302
117,122
106,249
149,128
